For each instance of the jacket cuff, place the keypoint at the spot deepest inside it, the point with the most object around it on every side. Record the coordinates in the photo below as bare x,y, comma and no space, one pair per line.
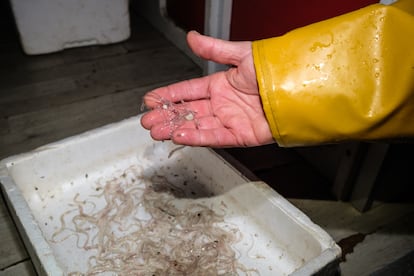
346,78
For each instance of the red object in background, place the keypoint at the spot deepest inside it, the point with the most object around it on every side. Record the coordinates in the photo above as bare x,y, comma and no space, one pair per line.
252,20
267,18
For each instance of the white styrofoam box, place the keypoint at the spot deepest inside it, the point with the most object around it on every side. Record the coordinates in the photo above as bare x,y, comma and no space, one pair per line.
39,186
47,26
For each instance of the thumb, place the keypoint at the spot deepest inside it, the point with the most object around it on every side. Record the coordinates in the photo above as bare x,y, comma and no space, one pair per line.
218,50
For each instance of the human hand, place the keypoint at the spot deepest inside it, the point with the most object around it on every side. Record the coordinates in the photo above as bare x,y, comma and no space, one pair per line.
220,110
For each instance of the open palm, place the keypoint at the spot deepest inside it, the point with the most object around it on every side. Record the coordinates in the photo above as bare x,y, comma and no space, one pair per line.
219,110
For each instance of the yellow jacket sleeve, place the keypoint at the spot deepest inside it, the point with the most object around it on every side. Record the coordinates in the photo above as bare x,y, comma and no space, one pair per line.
347,78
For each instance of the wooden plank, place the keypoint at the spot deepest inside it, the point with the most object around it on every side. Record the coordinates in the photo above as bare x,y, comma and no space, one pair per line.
21,76
26,92
76,55
11,247
71,63
30,130
16,61
99,77
21,269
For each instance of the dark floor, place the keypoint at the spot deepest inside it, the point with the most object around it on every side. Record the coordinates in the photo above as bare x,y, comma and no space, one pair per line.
303,178
285,170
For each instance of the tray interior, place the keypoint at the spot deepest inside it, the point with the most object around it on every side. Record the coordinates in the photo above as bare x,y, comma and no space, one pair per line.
60,181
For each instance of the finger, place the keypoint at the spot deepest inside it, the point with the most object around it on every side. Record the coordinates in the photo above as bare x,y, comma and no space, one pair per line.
187,90
161,132
218,50
152,118
220,137
208,123
176,112
165,130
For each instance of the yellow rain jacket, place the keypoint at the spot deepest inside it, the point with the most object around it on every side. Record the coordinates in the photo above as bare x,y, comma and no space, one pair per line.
347,78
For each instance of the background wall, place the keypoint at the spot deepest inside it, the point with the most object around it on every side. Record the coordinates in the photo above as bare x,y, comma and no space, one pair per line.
263,18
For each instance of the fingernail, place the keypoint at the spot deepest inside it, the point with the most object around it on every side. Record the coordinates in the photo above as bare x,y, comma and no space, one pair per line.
194,31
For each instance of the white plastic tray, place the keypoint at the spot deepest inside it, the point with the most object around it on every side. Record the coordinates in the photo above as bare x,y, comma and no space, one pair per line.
47,26
277,238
